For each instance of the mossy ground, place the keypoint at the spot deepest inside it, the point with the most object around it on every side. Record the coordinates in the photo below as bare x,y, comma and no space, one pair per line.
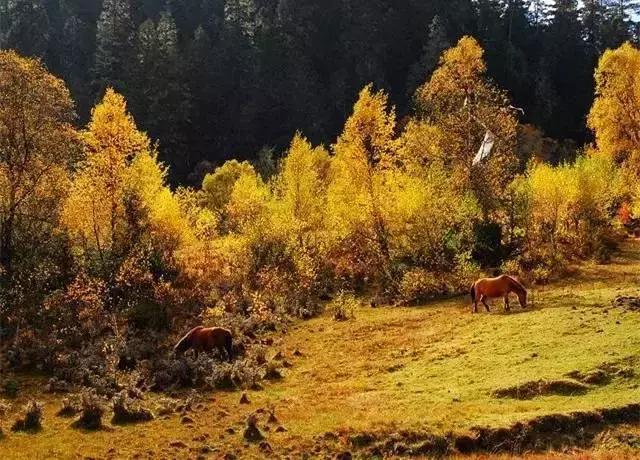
431,368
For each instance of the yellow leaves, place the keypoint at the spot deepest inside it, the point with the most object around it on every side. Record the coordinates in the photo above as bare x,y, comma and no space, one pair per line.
112,133
217,186
463,104
460,70
146,181
563,199
121,185
248,201
367,137
302,181
420,145
615,114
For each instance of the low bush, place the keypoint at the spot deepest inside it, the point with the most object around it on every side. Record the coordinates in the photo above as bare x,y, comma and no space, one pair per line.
92,407
32,420
10,387
128,410
71,406
343,306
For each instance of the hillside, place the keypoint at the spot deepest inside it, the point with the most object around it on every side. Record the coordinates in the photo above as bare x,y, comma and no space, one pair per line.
398,380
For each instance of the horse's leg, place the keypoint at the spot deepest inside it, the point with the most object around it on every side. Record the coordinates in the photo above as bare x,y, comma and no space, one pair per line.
506,302
484,302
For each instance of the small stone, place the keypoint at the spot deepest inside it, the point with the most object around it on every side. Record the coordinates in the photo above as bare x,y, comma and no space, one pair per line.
244,399
186,420
281,429
178,444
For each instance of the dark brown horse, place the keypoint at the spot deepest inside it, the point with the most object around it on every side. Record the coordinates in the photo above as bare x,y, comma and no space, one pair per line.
205,339
491,288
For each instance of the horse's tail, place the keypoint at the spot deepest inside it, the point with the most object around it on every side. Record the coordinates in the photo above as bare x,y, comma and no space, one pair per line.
185,342
472,291
228,345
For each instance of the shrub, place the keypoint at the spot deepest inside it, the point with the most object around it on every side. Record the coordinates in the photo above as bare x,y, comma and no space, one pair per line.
32,421
71,406
272,371
343,306
92,410
10,387
127,410
239,374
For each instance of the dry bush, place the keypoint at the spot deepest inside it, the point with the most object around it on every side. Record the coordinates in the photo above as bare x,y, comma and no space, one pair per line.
92,410
343,306
128,410
71,406
32,420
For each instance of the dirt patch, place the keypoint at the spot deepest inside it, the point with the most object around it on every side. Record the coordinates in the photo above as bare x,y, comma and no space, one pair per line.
529,390
627,302
605,372
553,431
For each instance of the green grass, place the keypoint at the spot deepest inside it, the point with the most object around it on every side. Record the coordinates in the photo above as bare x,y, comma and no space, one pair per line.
432,367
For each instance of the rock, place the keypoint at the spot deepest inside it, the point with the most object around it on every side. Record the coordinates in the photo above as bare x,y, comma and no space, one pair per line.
281,429
297,352
253,434
230,430
178,444
244,399
278,356
344,456
266,447
229,456
186,420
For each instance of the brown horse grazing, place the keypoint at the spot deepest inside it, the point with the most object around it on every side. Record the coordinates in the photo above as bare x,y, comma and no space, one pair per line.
491,288
206,339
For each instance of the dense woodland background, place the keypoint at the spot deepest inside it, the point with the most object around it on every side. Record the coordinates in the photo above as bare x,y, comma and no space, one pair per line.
218,79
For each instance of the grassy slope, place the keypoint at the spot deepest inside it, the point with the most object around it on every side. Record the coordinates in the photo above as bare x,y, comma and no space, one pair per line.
431,367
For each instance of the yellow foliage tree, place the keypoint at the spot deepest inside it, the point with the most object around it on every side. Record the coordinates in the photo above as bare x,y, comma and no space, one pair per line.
615,114
568,208
463,104
301,187
218,185
119,191
364,149
38,146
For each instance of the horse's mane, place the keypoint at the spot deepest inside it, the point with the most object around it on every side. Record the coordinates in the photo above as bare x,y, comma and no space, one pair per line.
518,284
185,342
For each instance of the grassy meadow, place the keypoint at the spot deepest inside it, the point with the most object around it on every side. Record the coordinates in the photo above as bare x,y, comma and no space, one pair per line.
429,368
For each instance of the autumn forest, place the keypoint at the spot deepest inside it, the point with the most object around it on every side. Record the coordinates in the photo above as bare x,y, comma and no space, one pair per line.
252,164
